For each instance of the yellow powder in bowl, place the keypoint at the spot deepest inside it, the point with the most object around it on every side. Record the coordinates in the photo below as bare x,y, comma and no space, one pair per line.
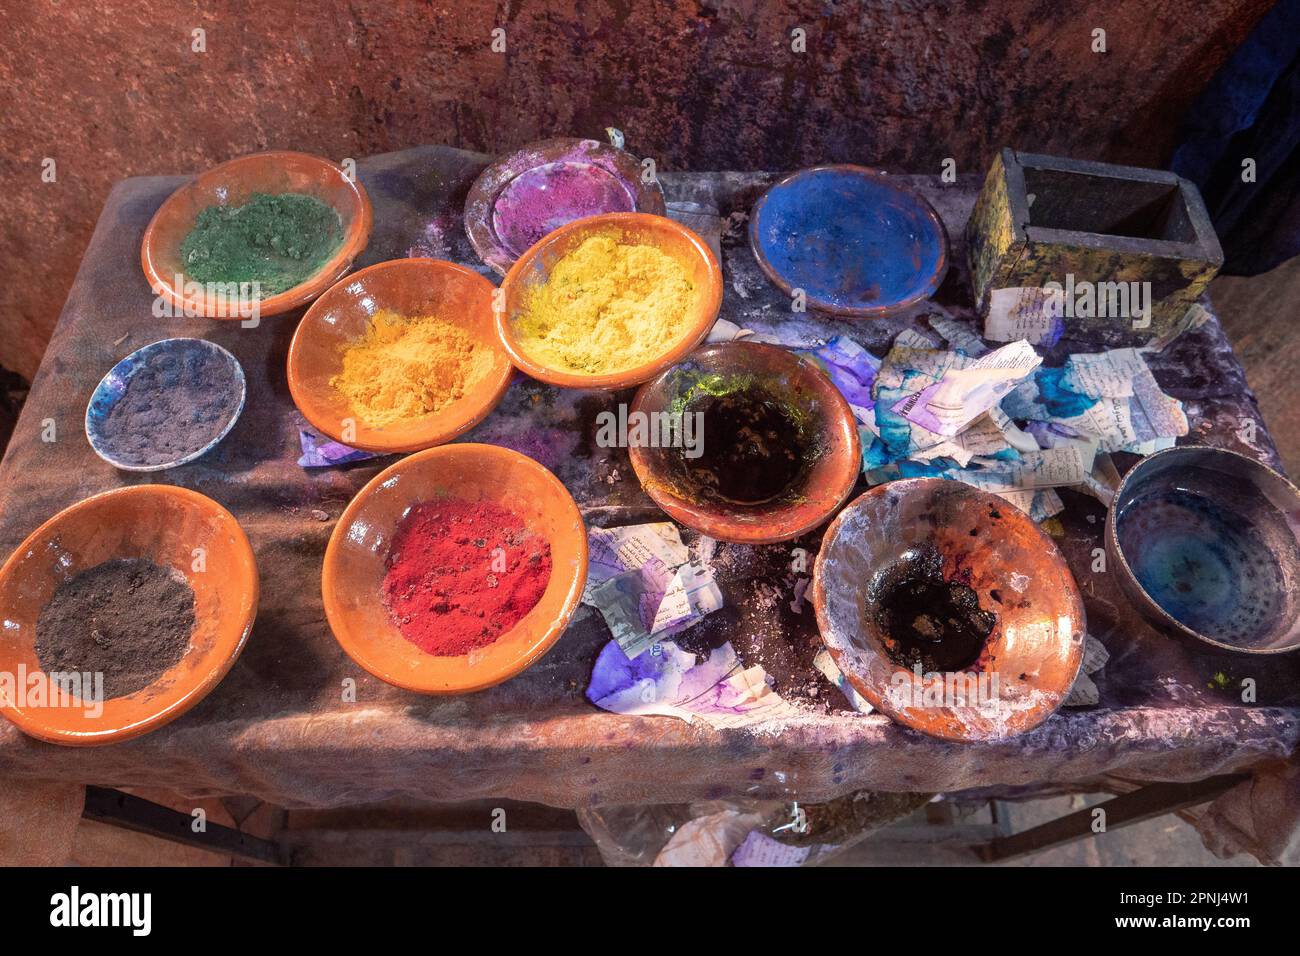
408,367
606,307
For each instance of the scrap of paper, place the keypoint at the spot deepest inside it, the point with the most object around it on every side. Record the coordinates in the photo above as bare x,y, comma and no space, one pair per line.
958,335
963,394
1085,693
1032,314
828,668
670,682
645,583
1195,316
759,849
851,367
321,452
1049,468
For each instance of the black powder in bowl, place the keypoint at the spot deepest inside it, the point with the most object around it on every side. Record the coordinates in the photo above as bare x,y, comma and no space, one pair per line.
128,619
179,400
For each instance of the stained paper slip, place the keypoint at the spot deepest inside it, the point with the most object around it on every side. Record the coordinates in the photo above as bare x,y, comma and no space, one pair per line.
958,335
759,849
1156,416
912,339
990,434
831,671
1104,374
1032,314
1110,420
674,683
642,580
1039,503
642,606
965,393
1196,316
1049,468
612,551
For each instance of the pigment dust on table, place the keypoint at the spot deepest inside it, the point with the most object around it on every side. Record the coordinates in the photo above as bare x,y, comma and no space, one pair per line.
128,619
927,619
462,573
179,400
276,241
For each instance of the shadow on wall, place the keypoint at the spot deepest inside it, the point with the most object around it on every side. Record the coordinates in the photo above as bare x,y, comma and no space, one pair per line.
145,88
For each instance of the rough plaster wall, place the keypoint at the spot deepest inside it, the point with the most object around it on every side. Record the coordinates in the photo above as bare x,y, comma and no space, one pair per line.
113,89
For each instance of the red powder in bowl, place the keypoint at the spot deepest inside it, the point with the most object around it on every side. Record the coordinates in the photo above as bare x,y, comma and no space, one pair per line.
461,573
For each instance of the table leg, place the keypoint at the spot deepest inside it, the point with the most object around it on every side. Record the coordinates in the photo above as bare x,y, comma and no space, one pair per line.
1145,803
120,809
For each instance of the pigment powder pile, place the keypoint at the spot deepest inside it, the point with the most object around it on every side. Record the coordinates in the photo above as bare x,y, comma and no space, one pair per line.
460,574
127,619
179,400
275,241
606,307
405,368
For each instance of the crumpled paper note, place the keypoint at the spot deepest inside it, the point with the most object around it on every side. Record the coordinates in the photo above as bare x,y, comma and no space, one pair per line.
646,584
671,682
321,452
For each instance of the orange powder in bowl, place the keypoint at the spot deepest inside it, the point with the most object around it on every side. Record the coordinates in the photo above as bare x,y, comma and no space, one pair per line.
407,367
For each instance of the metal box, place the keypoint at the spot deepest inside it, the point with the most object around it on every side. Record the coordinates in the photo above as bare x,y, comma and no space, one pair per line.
1043,219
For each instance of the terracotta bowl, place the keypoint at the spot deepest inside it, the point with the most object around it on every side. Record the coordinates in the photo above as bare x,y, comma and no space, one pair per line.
534,266
1207,546
342,314
775,375
233,183
569,178
164,524
352,578
1034,649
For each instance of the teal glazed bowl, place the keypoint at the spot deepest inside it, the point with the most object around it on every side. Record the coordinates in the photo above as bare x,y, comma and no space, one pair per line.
1207,546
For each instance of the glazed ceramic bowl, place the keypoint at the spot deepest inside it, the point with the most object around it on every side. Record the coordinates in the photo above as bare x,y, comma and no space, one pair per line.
631,228
166,525
826,435
858,242
355,565
981,543
113,385
232,184
409,287
523,196
1207,546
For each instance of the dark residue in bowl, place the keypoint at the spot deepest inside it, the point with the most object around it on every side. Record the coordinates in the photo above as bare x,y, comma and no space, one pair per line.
756,445
925,618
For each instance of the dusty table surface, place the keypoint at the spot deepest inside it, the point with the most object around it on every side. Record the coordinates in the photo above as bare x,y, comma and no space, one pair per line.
278,727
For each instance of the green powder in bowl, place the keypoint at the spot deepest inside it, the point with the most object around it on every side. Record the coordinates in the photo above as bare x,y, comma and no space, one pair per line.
277,241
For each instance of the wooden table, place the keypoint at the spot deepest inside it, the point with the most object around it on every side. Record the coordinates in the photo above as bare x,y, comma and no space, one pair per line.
279,728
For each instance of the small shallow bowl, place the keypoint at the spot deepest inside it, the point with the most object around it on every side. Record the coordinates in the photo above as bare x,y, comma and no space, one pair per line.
534,267
353,574
232,184
781,377
1035,648
112,386
164,524
857,242
1207,546
521,197
408,287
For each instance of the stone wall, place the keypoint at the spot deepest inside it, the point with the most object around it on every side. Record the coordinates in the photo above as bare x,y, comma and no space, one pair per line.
115,88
